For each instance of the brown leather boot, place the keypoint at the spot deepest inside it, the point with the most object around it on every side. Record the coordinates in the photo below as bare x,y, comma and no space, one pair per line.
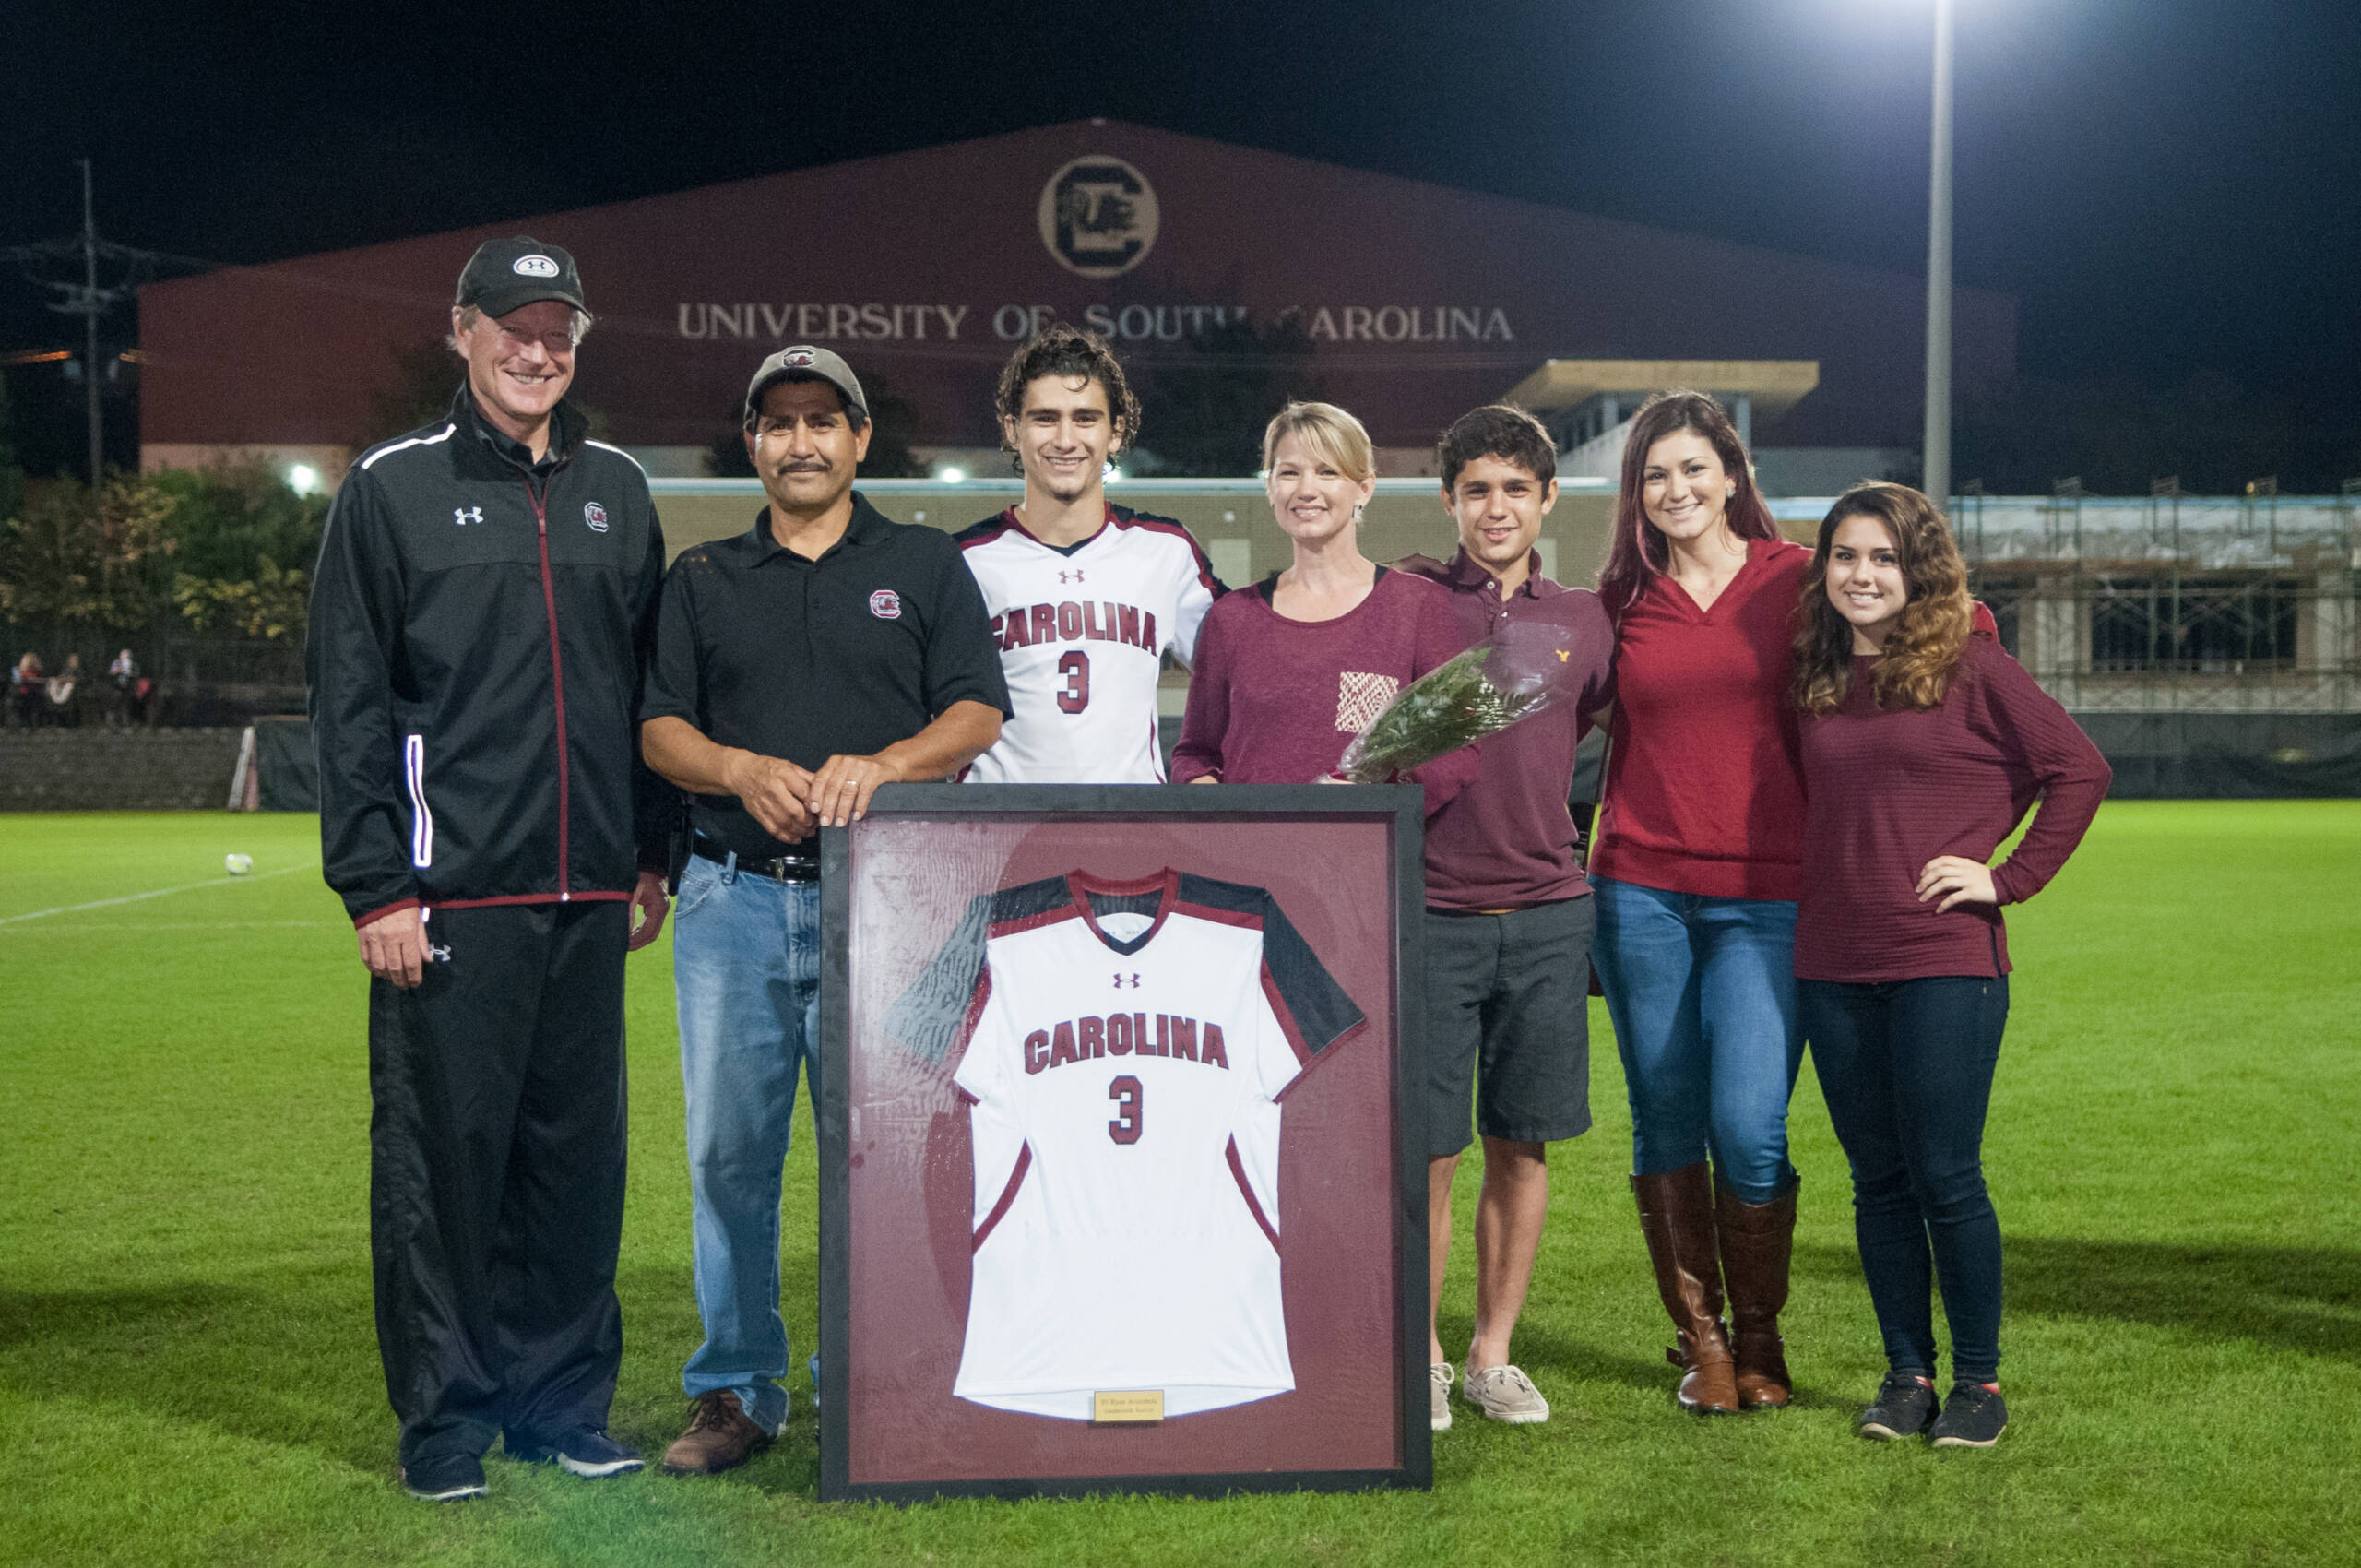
722,1436
1757,1241
1676,1217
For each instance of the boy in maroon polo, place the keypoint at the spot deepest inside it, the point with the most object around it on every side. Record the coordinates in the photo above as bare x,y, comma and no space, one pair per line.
1508,909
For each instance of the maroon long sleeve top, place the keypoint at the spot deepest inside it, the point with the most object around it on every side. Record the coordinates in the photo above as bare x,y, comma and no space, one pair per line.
1886,790
1705,793
1507,840
1275,701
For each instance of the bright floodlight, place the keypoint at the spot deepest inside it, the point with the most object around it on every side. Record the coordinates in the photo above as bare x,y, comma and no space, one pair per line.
303,478
952,475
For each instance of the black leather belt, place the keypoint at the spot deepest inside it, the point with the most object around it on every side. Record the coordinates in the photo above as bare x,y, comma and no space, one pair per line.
780,868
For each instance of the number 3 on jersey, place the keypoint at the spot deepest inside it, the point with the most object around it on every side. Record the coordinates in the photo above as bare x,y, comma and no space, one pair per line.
1125,1092
1075,668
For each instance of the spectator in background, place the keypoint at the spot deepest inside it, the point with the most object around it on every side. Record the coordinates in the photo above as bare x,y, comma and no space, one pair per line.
65,693
1289,671
26,690
1923,746
124,673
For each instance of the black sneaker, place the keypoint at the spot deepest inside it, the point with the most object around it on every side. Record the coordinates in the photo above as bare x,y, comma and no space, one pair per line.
454,1479
587,1453
1974,1417
1904,1407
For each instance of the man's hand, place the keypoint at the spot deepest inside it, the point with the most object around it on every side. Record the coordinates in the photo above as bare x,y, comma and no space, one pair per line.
1964,882
649,904
840,791
775,793
394,947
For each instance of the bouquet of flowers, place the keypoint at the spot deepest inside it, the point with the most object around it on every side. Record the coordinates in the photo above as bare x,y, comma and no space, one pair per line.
1520,670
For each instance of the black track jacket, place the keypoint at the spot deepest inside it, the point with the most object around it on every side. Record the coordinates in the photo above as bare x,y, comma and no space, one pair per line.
479,630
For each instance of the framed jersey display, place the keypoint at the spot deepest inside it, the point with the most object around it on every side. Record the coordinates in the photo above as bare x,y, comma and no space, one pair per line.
1121,1183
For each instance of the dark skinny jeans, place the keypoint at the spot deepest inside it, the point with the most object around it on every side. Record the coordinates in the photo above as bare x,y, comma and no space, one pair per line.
1907,1069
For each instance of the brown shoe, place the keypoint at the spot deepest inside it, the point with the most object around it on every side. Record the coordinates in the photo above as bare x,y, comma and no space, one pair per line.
1757,1241
1676,1218
720,1437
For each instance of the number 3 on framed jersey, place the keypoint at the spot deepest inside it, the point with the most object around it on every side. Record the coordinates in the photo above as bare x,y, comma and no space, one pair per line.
1074,695
1110,1250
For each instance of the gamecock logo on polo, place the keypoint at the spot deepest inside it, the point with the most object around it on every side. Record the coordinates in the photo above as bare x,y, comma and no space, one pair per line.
1098,217
885,604
596,516
534,266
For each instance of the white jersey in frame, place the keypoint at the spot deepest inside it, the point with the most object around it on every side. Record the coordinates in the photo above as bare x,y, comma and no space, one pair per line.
1082,631
1128,1045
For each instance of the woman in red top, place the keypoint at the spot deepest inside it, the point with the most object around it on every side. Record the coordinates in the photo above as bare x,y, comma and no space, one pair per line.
1294,667
1697,867
1923,748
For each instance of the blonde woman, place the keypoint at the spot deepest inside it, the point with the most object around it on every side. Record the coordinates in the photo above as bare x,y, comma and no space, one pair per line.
1289,670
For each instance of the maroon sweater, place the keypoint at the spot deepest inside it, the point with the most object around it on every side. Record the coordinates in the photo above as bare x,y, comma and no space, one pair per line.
1888,790
1703,792
1275,701
1507,841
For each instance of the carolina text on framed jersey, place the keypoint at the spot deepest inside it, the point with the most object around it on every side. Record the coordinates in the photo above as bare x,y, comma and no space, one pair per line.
1117,1177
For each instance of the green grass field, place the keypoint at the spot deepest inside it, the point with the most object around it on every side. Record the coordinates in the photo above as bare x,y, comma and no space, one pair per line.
188,1372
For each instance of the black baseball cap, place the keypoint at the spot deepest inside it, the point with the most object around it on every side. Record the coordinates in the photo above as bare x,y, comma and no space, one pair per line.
506,275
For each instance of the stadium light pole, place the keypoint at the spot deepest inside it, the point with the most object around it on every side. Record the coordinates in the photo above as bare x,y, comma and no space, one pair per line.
1936,452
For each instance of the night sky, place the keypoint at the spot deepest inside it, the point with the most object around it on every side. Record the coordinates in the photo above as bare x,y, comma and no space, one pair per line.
2169,186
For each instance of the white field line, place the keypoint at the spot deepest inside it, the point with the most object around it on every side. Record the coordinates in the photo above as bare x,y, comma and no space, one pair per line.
158,893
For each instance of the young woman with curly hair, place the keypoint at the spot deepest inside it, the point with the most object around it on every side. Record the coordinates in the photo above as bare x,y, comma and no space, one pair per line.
1924,745
1697,866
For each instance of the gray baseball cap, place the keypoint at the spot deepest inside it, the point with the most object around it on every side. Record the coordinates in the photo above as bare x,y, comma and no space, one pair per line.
801,359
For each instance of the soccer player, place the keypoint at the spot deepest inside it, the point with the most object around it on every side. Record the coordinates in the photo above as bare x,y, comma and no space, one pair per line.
1086,599
483,605
799,666
1924,745
1508,911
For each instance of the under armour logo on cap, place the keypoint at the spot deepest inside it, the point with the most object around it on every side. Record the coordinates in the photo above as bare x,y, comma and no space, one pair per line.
534,266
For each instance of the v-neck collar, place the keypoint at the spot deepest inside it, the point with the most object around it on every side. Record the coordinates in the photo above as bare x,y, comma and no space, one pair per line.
1165,884
1012,520
1756,550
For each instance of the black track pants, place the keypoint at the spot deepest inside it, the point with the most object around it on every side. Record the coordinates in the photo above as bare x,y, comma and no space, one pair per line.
496,1141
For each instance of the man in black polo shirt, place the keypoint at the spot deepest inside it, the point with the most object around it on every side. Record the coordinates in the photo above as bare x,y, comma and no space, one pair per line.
798,665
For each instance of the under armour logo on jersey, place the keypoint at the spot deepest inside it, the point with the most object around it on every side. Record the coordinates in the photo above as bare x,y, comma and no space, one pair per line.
1075,576
437,954
596,516
1120,982
463,516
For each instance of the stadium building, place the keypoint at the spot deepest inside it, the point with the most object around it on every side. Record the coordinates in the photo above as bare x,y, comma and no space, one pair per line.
1405,301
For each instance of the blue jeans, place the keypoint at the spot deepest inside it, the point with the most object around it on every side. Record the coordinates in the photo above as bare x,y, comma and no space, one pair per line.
1906,1068
746,966
1703,993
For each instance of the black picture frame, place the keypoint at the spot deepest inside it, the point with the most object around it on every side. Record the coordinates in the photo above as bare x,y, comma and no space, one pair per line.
1401,808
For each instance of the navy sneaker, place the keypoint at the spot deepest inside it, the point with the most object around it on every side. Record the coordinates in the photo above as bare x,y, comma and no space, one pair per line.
1904,1407
454,1479
588,1453
1974,1417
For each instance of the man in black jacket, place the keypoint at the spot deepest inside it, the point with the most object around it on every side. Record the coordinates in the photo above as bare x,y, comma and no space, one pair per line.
481,617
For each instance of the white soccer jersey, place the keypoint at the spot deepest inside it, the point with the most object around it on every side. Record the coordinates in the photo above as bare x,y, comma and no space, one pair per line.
1127,1046
1082,634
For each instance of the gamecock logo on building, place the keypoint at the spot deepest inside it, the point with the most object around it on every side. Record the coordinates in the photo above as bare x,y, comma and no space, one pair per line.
1098,217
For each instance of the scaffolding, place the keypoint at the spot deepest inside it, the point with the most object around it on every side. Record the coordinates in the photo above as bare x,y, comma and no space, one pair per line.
2171,602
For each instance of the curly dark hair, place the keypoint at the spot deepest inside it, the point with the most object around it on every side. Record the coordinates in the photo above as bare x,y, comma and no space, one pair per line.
1069,352
1922,654
1497,430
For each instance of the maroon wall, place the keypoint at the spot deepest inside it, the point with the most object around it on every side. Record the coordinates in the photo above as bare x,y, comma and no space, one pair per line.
1481,289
